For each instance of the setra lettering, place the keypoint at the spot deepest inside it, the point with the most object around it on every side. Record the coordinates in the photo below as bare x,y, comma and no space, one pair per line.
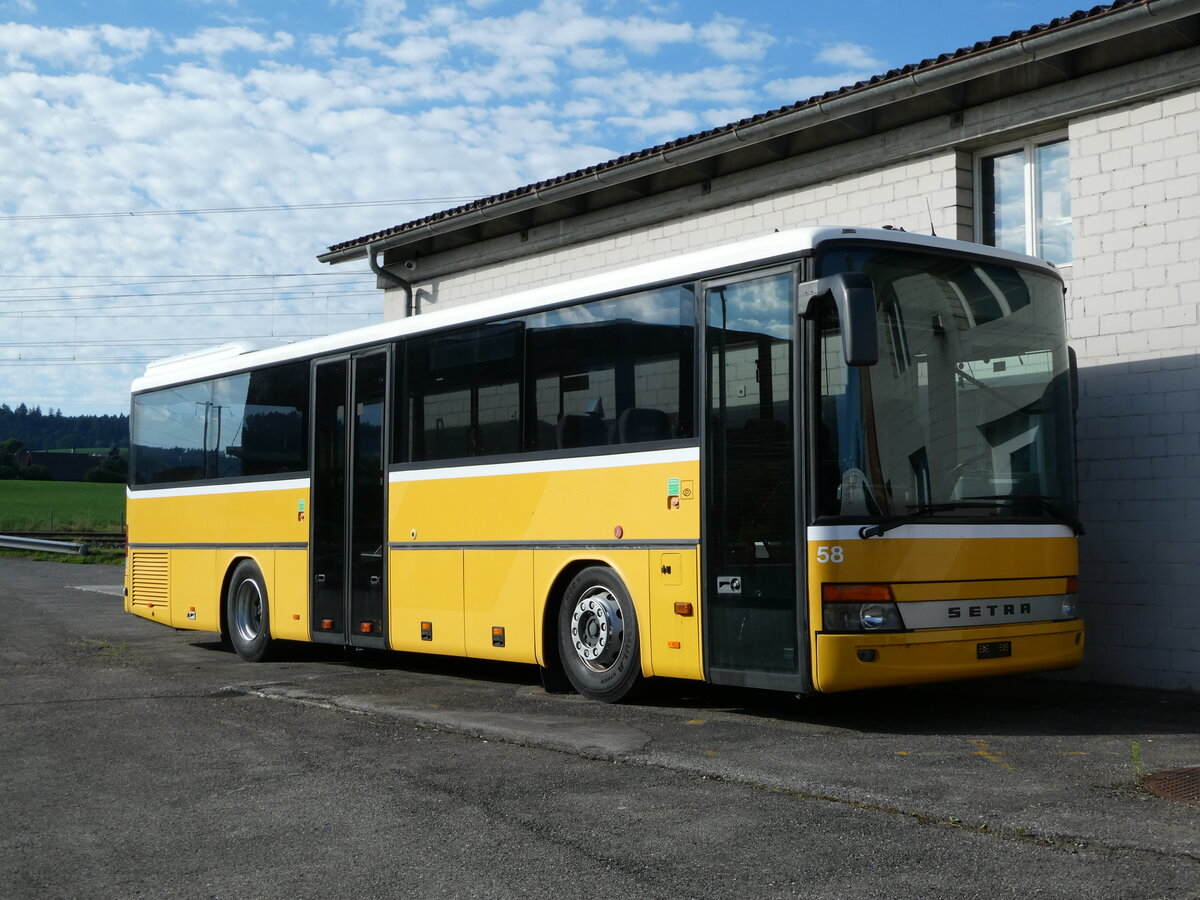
990,610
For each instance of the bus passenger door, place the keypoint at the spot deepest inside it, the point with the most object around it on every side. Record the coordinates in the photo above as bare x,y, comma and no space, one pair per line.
751,616
349,500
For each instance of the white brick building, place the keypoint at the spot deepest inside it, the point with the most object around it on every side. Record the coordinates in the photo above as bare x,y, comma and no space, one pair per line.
1078,140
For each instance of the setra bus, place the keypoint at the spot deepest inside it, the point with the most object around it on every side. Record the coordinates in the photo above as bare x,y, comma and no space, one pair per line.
820,460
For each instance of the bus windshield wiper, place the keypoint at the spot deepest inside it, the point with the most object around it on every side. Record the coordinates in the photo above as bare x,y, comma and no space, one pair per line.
927,509
1046,504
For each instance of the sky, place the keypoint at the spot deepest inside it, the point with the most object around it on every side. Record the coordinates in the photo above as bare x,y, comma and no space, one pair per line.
170,169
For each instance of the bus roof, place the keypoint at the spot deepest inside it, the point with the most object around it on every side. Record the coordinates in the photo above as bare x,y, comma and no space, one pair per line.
778,246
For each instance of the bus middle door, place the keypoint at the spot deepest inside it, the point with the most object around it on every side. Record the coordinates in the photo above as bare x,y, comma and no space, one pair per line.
349,500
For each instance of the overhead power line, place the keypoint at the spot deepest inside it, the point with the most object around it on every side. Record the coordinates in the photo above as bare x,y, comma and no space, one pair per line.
174,278
248,294
350,204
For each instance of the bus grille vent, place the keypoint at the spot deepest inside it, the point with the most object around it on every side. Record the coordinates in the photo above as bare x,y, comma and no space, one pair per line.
150,577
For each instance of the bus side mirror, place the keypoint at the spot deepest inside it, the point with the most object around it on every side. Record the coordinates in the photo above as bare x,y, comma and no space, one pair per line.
854,296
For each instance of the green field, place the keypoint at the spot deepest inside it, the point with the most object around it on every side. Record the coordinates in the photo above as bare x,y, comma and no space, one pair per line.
61,506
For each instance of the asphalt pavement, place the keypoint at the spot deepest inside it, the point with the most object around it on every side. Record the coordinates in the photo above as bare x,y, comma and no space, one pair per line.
998,788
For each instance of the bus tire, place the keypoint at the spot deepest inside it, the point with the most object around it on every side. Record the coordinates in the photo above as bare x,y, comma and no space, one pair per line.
598,636
248,613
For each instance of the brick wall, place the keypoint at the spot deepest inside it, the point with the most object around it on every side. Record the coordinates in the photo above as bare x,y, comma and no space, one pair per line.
1133,321
905,196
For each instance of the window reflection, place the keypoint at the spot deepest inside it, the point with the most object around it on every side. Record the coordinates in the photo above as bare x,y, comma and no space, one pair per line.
1025,200
242,425
970,403
599,374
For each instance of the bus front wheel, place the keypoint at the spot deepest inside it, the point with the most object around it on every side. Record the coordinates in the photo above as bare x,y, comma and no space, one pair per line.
247,613
598,636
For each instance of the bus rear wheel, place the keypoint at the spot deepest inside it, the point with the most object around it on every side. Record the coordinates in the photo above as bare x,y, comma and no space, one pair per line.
247,613
598,636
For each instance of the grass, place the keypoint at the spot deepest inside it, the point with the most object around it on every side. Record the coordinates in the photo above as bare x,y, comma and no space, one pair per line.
102,557
61,506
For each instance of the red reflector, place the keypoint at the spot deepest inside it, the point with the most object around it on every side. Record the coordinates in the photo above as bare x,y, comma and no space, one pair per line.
1072,584
857,593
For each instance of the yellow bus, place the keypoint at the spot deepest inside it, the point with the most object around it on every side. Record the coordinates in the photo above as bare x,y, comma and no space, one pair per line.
820,460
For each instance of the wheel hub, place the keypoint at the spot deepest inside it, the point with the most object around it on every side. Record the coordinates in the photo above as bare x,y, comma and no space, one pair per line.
597,629
247,611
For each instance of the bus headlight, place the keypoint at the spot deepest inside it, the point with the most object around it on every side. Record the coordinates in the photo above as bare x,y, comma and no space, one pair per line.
859,617
860,608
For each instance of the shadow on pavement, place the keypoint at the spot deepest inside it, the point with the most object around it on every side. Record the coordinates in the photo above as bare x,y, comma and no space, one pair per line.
1009,706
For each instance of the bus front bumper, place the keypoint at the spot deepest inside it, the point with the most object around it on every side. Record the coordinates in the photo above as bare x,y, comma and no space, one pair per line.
847,662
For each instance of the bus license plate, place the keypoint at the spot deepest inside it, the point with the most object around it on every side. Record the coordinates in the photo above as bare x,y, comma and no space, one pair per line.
993,650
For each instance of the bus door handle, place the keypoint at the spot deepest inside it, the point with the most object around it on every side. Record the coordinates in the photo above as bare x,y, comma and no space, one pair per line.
374,580
320,579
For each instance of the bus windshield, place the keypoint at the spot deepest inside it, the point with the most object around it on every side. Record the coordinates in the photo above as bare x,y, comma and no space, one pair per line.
967,414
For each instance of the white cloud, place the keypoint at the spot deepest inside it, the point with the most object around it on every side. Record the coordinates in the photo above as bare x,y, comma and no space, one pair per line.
375,14
732,39
602,59
660,127
322,44
452,100
213,43
851,56
24,47
855,63
809,86
649,35
637,93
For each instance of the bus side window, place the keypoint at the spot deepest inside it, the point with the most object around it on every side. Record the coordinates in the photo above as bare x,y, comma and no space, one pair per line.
464,392
614,371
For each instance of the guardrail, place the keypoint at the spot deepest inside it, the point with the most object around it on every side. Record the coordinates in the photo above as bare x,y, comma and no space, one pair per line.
12,542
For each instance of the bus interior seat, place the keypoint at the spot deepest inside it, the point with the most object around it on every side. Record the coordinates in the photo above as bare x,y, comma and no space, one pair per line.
855,496
769,435
580,431
638,424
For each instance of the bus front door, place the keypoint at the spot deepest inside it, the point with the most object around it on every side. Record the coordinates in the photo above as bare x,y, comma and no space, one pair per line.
752,622
349,500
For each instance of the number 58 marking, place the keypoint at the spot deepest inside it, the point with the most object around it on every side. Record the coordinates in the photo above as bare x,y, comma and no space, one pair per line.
830,554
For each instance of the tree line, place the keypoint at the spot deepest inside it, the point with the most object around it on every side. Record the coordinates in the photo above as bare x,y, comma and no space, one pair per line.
51,430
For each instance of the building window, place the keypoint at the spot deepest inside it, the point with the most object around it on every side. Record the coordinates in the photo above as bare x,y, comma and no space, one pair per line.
1025,199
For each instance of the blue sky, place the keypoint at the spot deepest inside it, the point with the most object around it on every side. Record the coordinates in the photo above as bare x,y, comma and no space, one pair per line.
171,169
